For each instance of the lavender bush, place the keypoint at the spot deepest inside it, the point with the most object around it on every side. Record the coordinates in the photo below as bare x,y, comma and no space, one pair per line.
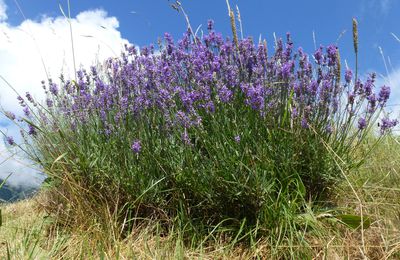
206,129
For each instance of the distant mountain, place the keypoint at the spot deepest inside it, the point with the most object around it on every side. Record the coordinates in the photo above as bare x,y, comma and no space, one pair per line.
9,193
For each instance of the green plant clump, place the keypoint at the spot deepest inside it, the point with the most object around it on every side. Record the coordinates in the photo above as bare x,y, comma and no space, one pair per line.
204,135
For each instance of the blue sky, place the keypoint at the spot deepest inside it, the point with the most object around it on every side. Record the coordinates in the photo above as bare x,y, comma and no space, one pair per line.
43,34
142,22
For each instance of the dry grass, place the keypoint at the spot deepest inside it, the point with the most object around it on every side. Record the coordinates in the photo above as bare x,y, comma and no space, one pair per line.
22,227
28,234
25,235
378,186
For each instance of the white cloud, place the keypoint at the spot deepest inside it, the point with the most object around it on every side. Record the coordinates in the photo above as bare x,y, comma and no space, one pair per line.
393,80
23,47
23,172
3,9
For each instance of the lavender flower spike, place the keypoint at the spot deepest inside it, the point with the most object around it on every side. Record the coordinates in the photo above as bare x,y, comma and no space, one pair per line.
10,140
348,76
32,130
384,94
10,115
136,146
237,139
387,124
362,123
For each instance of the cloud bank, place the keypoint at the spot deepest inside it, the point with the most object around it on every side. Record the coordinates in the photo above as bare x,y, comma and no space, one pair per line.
24,47
3,9
34,47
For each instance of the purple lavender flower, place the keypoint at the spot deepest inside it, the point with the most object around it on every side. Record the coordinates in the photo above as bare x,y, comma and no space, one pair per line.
358,87
289,47
297,88
371,102
225,94
209,70
80,74
286,69
295,113
332,51
256,97
132,50
313,88
31,130
10,140
304,123
107,131
210,25
348,76
332,55
387,124
49,102
117,117
328,129
93,70
10,115
384,94
237,139
170,44
368,86
183,119
29,97
351,98
319,57
103,116
136,146
362,123
27,112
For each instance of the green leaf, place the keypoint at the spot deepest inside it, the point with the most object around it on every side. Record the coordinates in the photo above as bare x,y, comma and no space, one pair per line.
354,221
34,125
58,159
4,181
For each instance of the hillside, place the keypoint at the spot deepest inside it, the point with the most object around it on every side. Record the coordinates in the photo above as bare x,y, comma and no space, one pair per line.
10,193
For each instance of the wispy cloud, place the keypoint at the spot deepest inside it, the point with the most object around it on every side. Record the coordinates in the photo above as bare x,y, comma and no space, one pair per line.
385,6
374,8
